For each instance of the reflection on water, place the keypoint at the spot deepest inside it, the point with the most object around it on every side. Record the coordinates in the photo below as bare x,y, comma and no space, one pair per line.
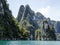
29,42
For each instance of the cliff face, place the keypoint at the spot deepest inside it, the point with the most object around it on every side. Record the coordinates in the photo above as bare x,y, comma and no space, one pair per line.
26,21
33,21
20,13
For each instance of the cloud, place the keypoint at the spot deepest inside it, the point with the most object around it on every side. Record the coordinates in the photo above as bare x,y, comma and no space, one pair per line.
45,10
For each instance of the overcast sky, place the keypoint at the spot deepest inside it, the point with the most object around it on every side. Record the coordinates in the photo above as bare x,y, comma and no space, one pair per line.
49,8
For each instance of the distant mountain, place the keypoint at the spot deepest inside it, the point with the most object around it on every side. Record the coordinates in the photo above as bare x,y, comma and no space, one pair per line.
57,27
27,19
32,21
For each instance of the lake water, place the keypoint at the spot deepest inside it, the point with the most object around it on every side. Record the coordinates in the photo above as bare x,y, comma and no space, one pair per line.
29,42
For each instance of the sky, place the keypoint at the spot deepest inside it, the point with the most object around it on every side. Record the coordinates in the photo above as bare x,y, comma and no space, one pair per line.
49,8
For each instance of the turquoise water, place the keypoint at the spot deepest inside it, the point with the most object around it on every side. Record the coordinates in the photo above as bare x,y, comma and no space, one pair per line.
29,42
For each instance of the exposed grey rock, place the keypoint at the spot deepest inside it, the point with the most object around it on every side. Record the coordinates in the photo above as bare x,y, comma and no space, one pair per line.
32,20
20,13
